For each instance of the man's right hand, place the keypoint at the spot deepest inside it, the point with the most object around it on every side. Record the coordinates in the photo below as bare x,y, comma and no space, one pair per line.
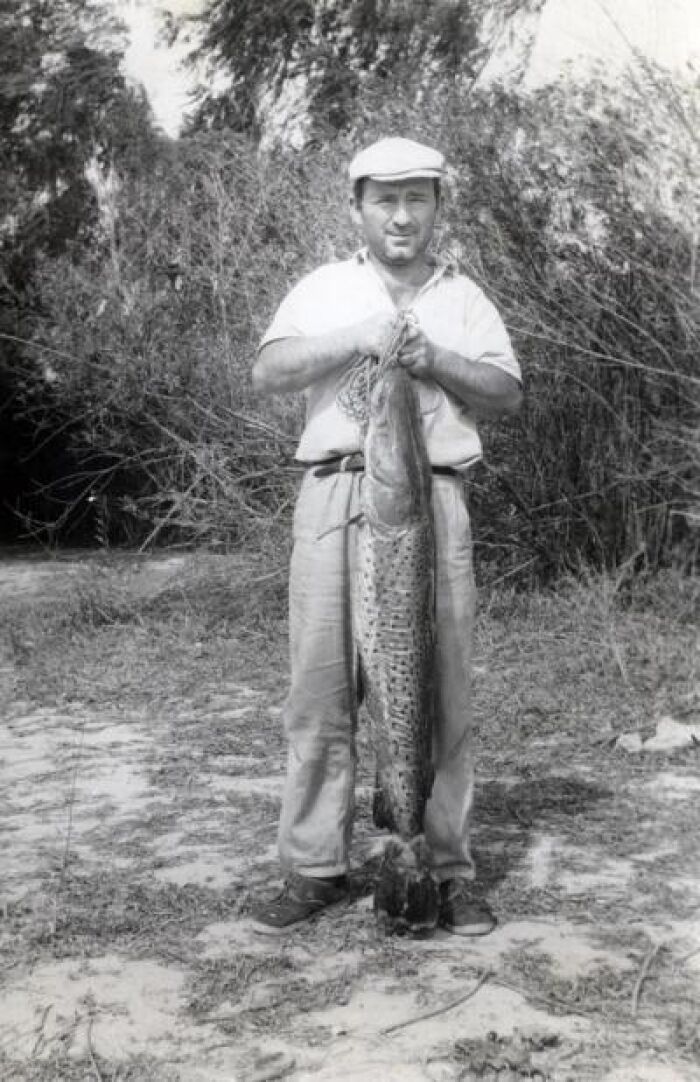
374,334
291,364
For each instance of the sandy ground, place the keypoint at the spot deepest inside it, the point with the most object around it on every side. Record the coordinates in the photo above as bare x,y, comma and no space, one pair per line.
93,796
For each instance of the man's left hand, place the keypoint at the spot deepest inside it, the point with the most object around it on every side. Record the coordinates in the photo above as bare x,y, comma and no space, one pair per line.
417,354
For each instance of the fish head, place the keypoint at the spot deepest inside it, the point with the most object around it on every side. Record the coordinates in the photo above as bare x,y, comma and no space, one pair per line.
397,471
406,892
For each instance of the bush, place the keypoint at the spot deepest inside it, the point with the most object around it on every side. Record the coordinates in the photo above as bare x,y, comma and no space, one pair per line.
572,208
149,343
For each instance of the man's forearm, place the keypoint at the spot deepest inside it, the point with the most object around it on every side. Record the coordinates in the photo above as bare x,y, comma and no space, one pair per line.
483,388
291,364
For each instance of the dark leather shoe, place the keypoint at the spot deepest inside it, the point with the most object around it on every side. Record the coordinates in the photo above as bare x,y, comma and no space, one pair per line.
301,897
462,911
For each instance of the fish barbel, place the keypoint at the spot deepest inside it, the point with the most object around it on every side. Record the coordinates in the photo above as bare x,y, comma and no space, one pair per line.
394,634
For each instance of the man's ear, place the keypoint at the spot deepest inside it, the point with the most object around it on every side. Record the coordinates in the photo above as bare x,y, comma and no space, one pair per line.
355,211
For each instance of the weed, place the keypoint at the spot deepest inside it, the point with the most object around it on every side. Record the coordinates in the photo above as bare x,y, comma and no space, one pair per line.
550,700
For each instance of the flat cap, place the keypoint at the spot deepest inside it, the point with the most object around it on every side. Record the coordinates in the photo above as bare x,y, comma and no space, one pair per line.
397,159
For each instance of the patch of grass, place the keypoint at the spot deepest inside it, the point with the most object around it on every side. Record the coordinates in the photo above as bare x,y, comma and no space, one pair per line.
200,743
88,916
279,1004
580,665
115,633
535,1056
559,676
63,1068
595,992
224,982
686,1036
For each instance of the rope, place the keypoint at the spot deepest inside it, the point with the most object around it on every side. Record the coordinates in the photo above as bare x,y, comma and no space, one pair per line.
355,392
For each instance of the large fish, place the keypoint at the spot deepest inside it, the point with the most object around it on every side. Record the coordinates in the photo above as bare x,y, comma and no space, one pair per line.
394,634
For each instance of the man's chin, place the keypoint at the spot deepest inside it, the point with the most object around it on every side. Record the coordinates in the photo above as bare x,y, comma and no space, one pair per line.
400,255
397,255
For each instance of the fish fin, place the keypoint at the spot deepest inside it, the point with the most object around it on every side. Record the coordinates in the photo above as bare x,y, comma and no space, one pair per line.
341,525
429,780
358,682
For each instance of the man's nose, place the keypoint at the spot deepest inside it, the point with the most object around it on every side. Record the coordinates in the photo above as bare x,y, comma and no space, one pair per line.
401,213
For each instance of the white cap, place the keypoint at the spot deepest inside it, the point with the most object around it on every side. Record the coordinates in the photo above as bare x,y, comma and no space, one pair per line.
397,159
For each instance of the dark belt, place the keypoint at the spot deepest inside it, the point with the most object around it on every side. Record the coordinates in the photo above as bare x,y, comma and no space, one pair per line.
355,463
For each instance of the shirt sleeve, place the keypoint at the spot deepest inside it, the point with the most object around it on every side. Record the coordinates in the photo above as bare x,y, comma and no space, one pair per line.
487,340
291,318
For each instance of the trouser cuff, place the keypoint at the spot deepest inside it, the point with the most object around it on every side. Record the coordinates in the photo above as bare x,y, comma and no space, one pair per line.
318,871
454,871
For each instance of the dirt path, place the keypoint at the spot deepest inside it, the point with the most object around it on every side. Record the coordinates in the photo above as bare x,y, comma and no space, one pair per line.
134,839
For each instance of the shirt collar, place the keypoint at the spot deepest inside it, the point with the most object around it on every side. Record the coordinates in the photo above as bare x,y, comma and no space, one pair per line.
443,266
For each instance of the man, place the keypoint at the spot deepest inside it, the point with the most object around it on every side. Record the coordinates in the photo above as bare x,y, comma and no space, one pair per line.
460,355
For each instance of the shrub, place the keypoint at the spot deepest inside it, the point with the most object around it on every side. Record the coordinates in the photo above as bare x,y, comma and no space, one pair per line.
572,208
148,342
575,209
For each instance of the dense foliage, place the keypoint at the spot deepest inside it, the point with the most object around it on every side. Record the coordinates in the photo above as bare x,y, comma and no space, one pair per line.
65,108
574,208
157,328
151,336
313,60
63,102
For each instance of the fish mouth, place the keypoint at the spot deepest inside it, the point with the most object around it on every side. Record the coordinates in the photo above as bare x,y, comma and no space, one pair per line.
398,926
406,900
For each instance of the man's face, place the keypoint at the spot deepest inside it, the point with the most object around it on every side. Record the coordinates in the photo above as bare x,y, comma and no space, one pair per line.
397,219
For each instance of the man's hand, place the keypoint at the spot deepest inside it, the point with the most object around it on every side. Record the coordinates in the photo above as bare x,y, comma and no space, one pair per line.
293,364
418,354
374,334
483,388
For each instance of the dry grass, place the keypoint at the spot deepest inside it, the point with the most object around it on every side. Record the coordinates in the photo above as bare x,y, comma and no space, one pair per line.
558,676
64,1068
121,630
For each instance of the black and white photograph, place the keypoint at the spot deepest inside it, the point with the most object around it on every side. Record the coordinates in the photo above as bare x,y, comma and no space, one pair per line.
349,540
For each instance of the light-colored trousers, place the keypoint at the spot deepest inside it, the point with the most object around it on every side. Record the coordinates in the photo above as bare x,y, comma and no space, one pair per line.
320,712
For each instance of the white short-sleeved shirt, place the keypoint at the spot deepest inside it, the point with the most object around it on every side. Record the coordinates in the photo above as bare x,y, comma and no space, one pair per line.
451,310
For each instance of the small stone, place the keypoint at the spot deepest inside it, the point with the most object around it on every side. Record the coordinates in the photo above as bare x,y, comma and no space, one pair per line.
630,742
672,734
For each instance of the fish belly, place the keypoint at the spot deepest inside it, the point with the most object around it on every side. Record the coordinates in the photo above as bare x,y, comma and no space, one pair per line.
393,616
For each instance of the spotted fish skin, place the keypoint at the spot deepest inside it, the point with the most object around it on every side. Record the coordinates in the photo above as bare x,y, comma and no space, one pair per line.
394,633
395,646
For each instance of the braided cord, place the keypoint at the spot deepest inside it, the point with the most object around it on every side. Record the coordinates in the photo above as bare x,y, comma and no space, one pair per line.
355,392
